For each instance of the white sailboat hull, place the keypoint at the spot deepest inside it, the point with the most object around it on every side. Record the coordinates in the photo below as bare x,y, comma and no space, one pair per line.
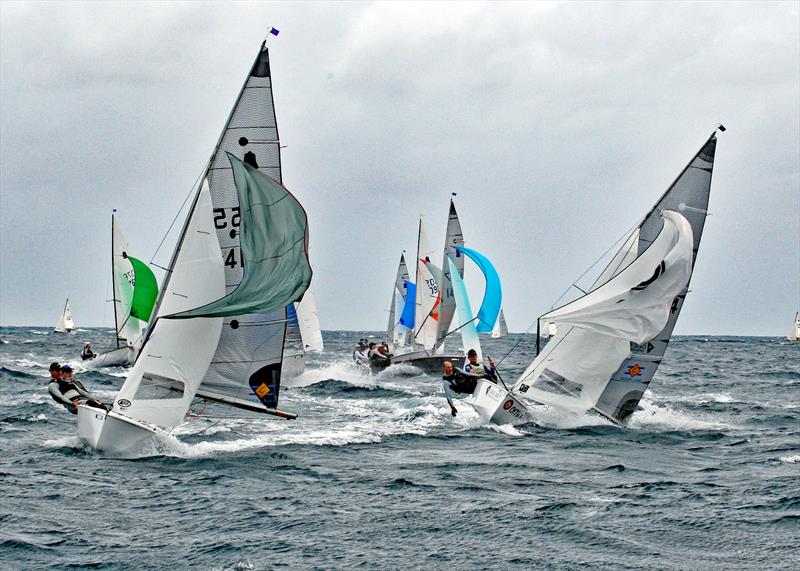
115,435
122,357
496,405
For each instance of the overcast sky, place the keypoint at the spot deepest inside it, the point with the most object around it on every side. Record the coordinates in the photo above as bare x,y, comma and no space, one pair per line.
558,125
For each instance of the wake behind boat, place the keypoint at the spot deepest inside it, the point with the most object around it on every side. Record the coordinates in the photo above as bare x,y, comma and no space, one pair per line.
220,321
608,343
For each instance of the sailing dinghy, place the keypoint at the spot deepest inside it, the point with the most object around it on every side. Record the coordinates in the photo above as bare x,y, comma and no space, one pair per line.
794,334
135,292
220,322
500,328
607,344
65,323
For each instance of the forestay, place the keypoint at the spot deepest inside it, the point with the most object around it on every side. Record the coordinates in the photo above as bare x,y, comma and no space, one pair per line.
595,331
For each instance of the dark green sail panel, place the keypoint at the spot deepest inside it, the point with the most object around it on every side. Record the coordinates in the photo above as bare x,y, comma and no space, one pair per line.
274,248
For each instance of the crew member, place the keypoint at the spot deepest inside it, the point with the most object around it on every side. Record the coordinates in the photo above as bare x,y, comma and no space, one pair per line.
456,381
359,358
68,392
375,356
474,367
87,352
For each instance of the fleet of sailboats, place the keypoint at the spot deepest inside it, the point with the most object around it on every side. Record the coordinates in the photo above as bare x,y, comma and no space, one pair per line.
421,313
236,313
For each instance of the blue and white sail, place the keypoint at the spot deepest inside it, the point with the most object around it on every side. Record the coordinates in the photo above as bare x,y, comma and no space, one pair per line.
465,319
493,293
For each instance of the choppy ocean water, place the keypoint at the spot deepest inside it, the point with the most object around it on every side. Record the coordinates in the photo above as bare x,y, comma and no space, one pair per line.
375,474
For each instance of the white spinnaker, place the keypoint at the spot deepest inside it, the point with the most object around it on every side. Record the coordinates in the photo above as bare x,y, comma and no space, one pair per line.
308,319
65,322
500,328
595,331
465,320
454,239
426,311
179,351
129,329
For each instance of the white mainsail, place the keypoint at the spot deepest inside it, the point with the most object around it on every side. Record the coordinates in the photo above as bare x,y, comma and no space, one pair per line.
395,331
426,313
308,320
794,334
128,330
65,323
595,332
454,239
500,328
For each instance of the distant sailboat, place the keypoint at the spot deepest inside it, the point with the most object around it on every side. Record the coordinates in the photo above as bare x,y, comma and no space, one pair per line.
794,334
65,323
220,321
135,292
608,343
500,327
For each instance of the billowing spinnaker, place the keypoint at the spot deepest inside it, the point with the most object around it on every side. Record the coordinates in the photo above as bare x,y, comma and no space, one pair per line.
595,332
166,376
454,239
493,295
145,290
465,321
274,245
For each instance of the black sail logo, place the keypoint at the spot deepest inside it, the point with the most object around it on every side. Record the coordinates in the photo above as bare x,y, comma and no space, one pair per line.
659,270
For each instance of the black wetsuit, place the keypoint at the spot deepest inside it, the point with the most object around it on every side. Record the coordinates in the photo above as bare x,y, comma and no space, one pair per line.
88,354
64,392
462,382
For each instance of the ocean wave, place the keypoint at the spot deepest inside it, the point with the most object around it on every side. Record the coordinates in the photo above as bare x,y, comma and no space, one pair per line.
650,416
793,459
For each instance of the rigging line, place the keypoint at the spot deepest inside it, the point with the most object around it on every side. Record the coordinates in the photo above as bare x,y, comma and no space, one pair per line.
185,200
574,282
456,329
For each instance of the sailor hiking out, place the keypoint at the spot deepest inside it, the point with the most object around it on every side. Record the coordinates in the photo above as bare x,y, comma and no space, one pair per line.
68,392
456,381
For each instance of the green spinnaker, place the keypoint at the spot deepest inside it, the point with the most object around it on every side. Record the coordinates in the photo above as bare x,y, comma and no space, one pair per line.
274,248
145,290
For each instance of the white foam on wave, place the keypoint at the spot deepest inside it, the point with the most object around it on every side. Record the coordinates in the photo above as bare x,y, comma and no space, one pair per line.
41,417
63,442
794,459
651,415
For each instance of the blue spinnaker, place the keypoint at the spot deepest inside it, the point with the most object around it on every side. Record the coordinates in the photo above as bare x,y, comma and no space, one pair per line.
407,318
492,297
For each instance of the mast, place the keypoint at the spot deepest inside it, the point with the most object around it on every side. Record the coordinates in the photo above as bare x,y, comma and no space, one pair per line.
114,282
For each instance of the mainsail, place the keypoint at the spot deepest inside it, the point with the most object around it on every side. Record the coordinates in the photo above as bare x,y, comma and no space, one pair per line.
246,236
454,240
500,327
428,299
794,334
308,321
65,323
396,330
609,367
